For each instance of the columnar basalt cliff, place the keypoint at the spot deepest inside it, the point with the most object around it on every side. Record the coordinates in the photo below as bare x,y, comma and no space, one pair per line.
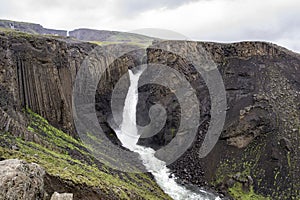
37,74
256,156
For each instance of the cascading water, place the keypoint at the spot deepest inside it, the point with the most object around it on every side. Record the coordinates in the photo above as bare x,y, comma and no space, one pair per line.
128,135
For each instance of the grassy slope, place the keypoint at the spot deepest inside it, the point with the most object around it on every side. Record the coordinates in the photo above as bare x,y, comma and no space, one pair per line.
66,157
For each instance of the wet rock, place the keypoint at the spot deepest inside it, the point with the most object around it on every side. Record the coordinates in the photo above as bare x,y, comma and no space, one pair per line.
230,182
15,147
275,154
286,143
242,112
294,130
250,180
237,176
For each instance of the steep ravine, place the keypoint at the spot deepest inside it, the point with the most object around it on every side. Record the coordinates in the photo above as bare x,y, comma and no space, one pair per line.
257,155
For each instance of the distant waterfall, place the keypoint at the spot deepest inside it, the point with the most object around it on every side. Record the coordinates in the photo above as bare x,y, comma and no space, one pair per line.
128,135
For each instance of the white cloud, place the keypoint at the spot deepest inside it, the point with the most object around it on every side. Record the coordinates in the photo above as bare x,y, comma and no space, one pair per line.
215,20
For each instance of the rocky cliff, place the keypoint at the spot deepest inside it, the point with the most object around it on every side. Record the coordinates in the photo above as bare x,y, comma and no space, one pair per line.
36,76
257,155
258,151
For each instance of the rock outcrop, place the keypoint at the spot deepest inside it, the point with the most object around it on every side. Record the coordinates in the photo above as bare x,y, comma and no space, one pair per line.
21,180
63,196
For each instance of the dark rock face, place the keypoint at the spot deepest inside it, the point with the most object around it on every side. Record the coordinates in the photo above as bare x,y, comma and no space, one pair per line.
38,73
260,138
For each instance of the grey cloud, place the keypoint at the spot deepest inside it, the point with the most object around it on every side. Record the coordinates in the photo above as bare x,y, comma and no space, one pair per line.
5,8
280,24
281,27
128,8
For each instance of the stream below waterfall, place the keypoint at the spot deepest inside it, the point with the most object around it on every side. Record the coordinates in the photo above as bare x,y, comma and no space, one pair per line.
128,135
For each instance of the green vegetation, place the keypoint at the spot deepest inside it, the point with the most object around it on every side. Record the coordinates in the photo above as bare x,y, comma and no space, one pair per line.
62,155
26,35
173,132
17,34
289,158
134,43
247,166
142,42
238,193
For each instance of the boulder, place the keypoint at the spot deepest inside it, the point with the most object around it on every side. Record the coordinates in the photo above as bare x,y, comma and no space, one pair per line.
21,180
63,196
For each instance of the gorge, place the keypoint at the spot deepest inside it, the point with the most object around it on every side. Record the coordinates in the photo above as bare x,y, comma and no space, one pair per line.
128,135
256,156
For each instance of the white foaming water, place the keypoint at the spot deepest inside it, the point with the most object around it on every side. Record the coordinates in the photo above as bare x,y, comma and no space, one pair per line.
128,135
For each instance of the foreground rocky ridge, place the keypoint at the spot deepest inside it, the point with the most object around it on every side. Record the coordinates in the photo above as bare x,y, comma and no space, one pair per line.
257,155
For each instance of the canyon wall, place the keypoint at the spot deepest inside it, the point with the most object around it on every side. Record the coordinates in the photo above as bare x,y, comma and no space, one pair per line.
258,149
259,146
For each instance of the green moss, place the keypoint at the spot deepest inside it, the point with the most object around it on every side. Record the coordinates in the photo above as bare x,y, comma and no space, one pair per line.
276,175
103,43
245,165
30,36
173,132
18,34
238,193
289,158
111,135
134,43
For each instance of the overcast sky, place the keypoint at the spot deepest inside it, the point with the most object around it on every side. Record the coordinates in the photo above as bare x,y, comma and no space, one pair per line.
277,21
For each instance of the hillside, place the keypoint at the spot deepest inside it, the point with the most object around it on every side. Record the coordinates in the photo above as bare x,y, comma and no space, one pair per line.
91,35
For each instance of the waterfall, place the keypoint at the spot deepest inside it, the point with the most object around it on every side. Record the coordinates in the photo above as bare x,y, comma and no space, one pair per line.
128,135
